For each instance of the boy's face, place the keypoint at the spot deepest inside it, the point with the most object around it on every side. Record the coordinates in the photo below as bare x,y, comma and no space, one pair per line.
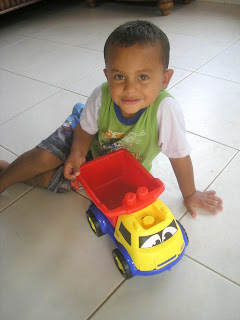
135,76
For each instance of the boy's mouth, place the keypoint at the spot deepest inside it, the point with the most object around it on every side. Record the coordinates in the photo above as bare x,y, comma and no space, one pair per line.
130,101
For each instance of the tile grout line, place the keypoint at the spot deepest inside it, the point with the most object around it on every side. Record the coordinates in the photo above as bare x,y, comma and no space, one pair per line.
214,271
171,66
184,78
184,24
34,105
83,195
52,85
53,41
215,77
90,74
9,150
16,199
46,83
106,299
24,76
29,108
234,156
209,139
217,55
196,261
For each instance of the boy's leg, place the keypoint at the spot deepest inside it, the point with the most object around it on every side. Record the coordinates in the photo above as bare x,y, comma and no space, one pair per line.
42,180
29,165
43,165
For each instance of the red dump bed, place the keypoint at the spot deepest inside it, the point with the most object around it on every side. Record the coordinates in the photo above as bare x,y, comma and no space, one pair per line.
118,184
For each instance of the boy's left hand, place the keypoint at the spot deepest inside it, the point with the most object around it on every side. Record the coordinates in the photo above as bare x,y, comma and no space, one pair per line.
206,200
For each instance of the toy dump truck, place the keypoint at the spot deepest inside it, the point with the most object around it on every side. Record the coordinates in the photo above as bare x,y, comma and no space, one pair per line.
125,205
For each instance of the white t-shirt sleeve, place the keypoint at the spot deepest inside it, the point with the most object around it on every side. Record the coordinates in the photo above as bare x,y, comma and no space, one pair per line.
90,114
171,129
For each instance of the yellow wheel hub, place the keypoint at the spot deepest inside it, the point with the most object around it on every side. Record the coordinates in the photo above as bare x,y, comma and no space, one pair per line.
92,225
120,265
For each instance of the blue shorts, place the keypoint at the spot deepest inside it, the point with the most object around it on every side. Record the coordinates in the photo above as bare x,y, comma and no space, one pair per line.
59,144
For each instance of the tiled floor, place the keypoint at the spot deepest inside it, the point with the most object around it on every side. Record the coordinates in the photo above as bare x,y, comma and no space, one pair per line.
51,265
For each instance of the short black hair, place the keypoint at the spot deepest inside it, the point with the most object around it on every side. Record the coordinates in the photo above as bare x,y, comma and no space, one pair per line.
141,33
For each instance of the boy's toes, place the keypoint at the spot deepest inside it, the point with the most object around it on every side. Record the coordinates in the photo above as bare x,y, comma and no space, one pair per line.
3,165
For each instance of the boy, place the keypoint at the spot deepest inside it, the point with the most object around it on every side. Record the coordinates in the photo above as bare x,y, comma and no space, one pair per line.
132,110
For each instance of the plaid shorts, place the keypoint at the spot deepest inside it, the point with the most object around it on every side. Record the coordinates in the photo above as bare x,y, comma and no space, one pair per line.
59,144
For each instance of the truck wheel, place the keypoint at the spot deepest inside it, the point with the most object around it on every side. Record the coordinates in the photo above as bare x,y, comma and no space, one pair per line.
183,230
122,264
94,224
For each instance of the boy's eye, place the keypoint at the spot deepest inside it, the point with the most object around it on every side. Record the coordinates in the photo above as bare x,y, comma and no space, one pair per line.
119,77
143,77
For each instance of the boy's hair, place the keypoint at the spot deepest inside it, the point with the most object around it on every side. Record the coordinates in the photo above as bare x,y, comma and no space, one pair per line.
141,33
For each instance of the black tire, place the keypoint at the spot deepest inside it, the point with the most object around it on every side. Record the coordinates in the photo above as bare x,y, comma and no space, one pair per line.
122,264
183,230
94,224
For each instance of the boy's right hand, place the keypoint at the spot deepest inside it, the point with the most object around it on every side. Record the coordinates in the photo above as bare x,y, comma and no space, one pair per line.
72,165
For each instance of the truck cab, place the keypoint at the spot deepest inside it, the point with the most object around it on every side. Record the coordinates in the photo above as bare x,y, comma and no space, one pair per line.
151,236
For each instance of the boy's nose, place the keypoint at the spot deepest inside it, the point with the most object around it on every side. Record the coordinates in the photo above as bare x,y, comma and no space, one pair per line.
130,87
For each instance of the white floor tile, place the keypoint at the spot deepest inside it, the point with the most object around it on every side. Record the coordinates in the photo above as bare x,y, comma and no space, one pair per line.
86,85
209,159
52,265
65,66
178,76
8,38
190,53
189,291
227,9
18,93
215,239
211,107
26,130
70,31
12,194
25,52
222,28
95,41
181,14
226,65
6,155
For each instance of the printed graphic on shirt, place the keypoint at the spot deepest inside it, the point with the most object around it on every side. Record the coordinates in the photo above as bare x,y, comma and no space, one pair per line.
112,141
113,135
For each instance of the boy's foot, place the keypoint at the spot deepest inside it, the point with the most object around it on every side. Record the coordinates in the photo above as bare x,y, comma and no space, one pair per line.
3,165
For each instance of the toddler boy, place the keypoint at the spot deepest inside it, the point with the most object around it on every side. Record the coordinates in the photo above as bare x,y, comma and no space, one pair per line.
131,110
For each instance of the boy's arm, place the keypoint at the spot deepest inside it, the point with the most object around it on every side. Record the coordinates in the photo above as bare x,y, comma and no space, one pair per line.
81,144
183,170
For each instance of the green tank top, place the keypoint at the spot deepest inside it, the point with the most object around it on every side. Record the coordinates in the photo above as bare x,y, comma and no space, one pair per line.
140,139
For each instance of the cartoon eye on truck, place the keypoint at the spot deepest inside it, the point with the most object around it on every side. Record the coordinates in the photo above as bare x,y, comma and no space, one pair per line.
125,205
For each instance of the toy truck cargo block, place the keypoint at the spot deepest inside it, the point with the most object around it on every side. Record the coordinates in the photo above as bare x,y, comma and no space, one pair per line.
125,205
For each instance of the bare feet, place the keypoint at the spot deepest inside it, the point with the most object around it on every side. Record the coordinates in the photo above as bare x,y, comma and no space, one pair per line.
3,165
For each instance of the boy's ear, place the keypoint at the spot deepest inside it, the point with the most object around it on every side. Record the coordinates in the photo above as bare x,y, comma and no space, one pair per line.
105,72
167,77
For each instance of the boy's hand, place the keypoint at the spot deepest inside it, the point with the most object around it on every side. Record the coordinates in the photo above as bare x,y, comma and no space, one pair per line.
72,165
206,200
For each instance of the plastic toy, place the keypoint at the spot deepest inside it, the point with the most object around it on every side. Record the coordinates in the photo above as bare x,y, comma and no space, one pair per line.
125,205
